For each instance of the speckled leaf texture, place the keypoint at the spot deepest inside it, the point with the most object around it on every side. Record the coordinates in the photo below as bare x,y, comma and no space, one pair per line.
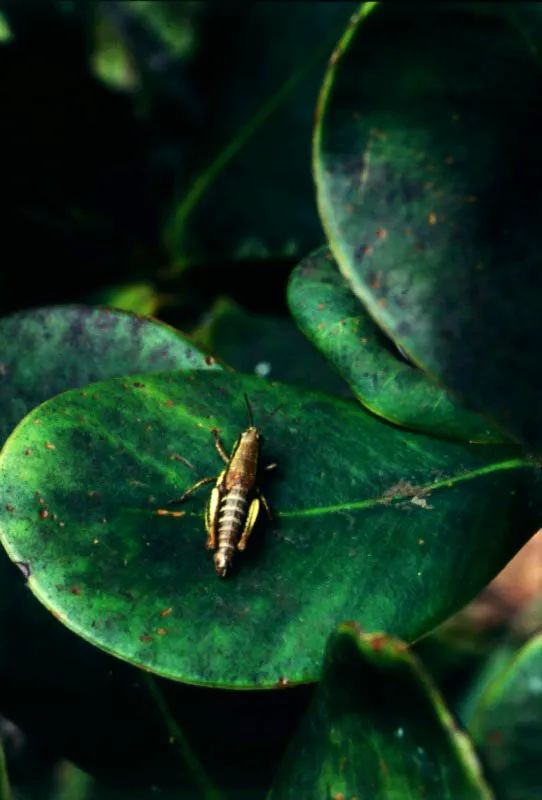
372,523
377,729
336,322
44,352
427,162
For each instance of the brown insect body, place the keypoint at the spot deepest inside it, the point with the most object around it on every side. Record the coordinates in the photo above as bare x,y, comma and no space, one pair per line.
232,510
234,504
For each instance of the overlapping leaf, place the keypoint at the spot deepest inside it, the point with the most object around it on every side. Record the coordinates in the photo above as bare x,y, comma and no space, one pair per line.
426,157
377,729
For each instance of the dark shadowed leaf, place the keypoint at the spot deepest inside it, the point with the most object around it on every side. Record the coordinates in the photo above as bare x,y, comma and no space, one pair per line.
506,722
377,729
268,62
335,320
371,523
265,345
426,158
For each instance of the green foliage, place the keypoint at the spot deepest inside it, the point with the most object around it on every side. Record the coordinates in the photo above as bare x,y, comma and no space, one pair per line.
377,729
416,145
363,516
177,183
504,720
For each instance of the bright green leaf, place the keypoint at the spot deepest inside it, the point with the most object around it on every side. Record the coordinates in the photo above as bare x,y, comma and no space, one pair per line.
44,352
333,318
371,523
426,157
377,729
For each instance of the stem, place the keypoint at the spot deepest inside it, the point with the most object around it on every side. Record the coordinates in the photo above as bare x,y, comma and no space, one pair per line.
5,788
189,759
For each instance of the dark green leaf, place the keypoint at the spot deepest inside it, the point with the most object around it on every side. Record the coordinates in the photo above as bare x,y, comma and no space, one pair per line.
49,350
337,323
377,729
265,345
371,523
506,723
426,158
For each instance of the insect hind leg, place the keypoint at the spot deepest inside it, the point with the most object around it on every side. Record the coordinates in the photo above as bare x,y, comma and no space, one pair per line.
193,488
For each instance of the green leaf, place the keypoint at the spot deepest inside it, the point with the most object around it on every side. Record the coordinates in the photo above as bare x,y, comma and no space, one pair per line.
425,157
377,729
335,321
371,523
265,345
44,352
506,723
49,350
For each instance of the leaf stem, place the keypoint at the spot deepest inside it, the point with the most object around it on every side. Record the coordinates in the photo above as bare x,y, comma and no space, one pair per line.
189,758
5,788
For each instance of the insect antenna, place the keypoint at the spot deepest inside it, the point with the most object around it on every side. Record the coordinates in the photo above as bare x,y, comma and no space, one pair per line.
271,414
249,409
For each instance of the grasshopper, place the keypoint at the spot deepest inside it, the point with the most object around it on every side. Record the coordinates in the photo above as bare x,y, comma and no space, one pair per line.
235,501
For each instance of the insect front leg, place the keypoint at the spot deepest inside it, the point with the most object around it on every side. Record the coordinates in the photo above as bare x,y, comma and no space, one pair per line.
265,505
220,447
193,488
211,518
252,516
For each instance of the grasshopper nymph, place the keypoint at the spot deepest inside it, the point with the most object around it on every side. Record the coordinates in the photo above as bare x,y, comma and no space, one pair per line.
235,501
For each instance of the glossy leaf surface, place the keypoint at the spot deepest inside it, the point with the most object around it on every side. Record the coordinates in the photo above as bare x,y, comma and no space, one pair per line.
377,729
336,322
428,126
371,523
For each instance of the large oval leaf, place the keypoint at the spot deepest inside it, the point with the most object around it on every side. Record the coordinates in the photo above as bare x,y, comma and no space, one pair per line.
430,204
377,729
46,351
372,523
333,318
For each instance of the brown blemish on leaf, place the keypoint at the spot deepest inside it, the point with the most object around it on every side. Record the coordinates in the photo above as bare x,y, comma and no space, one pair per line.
321,326
432,218
166,612
402,489
94,493
161,631
28,451
9,507
138,385
381,233
382,302
339,796
320,306
49,446
209,360
76,591
282,682
44,513
37,422
366,249
421,541
145,638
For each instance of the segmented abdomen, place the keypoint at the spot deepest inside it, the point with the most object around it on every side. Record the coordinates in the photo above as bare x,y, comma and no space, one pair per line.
231,519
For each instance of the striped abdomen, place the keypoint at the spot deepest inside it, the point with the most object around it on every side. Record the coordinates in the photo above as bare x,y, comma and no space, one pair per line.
231,521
